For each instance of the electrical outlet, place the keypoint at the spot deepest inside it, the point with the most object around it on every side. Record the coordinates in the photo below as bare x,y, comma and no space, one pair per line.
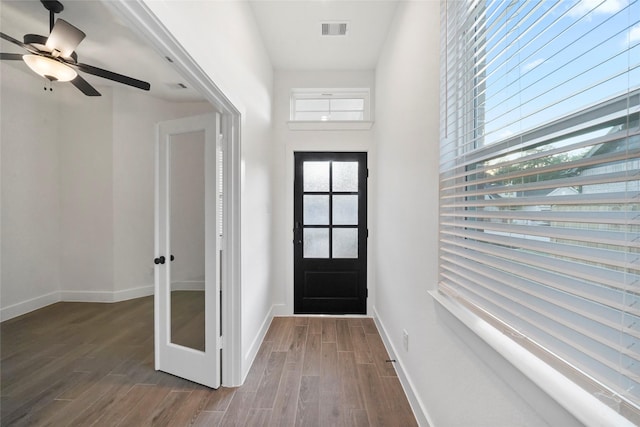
405,339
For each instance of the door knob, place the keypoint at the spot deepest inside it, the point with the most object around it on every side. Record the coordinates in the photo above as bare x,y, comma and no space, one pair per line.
159,260
172,258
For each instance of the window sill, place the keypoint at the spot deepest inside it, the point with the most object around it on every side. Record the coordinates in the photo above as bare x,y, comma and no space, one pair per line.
326,125
582,405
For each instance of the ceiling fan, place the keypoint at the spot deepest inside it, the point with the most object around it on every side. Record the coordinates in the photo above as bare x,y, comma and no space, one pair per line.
55,59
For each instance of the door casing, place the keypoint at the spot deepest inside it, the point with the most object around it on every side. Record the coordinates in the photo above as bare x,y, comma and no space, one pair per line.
139,18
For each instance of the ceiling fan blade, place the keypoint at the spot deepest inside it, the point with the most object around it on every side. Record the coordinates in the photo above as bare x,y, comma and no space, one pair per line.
113,76
84,86
11,56
17,42
64,38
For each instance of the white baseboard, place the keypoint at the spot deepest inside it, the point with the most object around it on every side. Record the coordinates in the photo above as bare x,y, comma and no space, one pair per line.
28,306
86,296
33,304
251,354
188,285
416,404
132,293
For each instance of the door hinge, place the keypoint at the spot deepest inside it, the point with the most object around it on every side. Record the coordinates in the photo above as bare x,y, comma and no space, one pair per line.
367,293
220,343
367,233
367,172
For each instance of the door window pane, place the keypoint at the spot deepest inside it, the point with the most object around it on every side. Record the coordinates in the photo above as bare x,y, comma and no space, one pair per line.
345,210
315,176
316,243
345,243
315,210
345,176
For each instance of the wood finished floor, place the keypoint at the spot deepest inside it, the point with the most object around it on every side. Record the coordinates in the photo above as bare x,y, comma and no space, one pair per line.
89,364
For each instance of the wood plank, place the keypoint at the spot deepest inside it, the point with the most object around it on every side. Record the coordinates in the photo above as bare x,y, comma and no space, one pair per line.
265,396
220,399
301,321
208,419
332,371
152,396
331,411
361,348
125,405
258,417
312,355
238,409
400,409
369,326
343,335
285,405
380,356
351,395
254,376
328,329
359,418
378,410
315,325
308,413
164,412
295,352
89,404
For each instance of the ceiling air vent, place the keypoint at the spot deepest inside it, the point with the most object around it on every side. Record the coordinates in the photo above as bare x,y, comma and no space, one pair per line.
334,28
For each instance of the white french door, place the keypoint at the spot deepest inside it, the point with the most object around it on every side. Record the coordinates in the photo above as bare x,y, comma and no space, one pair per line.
187,249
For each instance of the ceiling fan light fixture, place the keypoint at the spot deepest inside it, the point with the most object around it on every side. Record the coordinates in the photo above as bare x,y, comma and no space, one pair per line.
50,68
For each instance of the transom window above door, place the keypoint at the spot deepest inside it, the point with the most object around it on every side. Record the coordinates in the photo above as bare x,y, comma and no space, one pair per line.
330,108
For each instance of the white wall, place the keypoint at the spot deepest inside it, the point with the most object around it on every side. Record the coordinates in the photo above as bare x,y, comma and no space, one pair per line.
134,134
86,191
285,143
456,380
229,49
77,191
30,237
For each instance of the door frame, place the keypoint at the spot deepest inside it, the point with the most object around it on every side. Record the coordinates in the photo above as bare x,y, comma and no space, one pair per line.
338,265
330,146
139,18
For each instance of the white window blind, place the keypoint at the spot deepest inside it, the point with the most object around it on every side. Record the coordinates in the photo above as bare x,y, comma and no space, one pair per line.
540,181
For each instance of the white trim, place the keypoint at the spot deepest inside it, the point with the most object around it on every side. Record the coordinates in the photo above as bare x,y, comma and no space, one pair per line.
330,125
139,18
419,410
27,306
132,293
24,307
86,296
330,147
251,354
586,408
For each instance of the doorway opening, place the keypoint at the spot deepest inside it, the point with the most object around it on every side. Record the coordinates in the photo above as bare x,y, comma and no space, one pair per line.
330,233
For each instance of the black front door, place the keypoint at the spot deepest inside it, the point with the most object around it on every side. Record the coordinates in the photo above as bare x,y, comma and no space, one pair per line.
330,233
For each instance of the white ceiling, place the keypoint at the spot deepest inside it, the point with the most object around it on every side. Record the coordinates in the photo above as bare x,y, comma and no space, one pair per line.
290,29
291,32
109,44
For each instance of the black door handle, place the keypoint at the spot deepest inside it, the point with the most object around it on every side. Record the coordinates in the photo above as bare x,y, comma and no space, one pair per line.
297,233
172,258
159,260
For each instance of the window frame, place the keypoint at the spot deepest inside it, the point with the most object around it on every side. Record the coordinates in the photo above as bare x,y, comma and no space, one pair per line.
330,94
